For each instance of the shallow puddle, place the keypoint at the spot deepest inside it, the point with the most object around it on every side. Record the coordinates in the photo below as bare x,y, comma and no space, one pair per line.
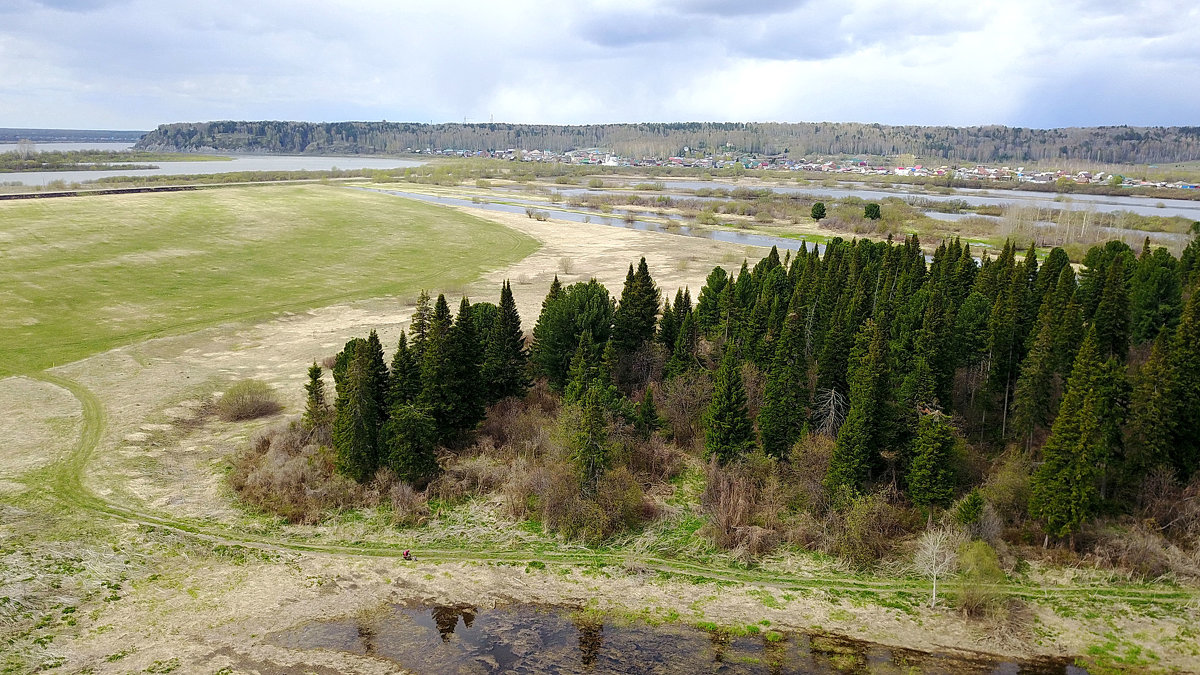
540,639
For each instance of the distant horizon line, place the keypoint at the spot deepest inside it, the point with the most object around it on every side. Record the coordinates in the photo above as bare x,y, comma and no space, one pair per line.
9,131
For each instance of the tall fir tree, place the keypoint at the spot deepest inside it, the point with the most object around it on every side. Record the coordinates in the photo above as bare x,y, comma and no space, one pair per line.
858,443
930,475
786,398
728,431
1155,294
356,420
466,349
646,420
506,363
708,305
1111,319
668,326
683,356
316,408
419,327
1083,441
1033,396
637,313
379,374
589,444
1185,388
408,441
1152,416
404,380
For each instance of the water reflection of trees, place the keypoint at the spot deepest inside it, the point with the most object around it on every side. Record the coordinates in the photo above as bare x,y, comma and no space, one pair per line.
591,638
446,619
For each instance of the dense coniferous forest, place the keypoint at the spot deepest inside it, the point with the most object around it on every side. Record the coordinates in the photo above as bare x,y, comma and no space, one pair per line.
1116,145
1018,395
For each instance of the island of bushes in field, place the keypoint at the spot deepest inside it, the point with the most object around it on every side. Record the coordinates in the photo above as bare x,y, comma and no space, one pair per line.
838,400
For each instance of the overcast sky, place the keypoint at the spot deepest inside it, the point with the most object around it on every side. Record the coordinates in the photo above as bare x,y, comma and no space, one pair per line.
132,64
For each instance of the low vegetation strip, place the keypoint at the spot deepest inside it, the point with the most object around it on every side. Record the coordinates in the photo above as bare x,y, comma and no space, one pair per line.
84,276
67,484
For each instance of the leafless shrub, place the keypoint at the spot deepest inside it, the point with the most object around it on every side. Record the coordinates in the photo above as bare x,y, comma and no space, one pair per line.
409,507
247,400
1141,550
866,527
520,427
656,458
470,476
565,265
329,362
684,399
284,472
643,366
1007,489
744,509
755,384
807,468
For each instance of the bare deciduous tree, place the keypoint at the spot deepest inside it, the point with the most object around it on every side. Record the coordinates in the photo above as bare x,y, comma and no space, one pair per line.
830,411
937,553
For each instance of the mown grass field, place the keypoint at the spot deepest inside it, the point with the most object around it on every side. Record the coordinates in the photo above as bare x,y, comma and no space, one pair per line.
82,275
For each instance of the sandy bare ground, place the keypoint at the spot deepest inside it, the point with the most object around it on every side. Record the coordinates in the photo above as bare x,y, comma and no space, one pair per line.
210,611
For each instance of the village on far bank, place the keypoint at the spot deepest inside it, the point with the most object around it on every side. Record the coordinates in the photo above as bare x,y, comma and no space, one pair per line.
847,165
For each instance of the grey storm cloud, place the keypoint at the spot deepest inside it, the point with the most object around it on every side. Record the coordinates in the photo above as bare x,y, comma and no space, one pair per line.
136,63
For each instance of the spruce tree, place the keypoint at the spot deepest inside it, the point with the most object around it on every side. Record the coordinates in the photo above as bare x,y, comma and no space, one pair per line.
1155,295
646,420
466,349
404,381
1084,440
1152,418
419,327
1111,319
438,396
930,473
341,362
708,305
818,211
636,315
379,374
356,420
1032,397
316,409
858,442
585,370
683,356
579,307
728,432
668,326
589,446
407,444
506,363
786,398
1185,389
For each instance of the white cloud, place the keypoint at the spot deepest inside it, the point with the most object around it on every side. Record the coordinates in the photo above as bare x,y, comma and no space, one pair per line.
136,63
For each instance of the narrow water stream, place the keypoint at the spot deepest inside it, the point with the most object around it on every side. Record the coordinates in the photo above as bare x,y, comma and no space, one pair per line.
613,220
543,639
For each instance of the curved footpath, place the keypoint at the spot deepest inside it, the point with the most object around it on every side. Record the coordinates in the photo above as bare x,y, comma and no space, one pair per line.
67,485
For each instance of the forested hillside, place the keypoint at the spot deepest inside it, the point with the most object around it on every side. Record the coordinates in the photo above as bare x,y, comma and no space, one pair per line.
1118,145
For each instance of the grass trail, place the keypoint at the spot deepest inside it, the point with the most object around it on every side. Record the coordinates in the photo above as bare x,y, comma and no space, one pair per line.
67,485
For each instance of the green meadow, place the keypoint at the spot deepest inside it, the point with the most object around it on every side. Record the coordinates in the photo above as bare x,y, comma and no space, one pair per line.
83,275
